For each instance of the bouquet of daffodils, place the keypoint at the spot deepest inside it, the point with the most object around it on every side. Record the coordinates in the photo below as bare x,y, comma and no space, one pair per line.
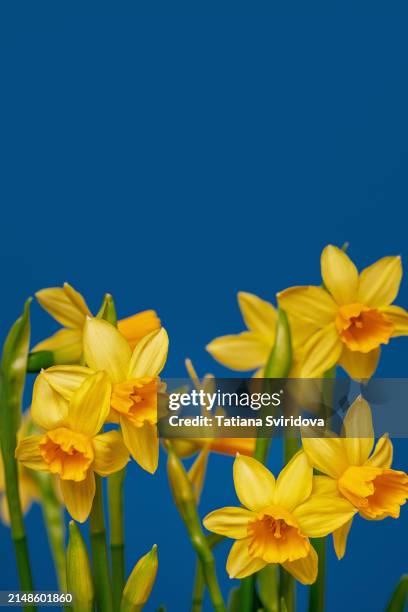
94,409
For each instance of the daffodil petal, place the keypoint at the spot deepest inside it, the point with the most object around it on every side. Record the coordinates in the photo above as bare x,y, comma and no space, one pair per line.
66,344
90,404
399,318
380,282
48,409
4,511
340,275
321,352
142,443
359,432
382,455
66,379
150,355
239,563
111,454
28,453
359,366
324,485
294,483
138,325
78,496
106,349
310,303
340,539
328,455
65,304
304,570
232,446
230,522
254,483
300,332
244,351
27,490
322,514
259,315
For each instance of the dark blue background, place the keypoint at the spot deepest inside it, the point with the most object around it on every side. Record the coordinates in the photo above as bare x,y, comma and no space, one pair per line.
175,156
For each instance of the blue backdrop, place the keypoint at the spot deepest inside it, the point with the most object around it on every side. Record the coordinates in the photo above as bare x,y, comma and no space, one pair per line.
174,157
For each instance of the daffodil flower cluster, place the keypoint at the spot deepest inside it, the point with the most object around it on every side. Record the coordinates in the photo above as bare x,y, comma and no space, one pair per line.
279,516
72,404
345,321
95,409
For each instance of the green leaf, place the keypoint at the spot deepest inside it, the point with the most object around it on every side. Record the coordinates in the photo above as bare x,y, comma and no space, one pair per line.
13,370
12,379
399,598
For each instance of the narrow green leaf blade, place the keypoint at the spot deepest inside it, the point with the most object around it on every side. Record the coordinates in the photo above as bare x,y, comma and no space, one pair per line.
399,599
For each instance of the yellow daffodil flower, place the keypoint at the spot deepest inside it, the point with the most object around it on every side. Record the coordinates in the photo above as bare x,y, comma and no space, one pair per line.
69,308
72,447
278,518
351,317
250,349
135,383
355,473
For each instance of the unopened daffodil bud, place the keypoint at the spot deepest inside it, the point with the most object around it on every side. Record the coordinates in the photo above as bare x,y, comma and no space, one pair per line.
197,472
107,311
140,582
79,577
180,484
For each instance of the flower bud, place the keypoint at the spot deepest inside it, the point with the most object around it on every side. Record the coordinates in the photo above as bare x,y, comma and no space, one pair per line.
107,311
196,474
180,483
79,577
140,582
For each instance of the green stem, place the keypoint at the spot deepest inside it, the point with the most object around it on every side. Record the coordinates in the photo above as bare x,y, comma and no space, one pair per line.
287,590
16,518
291,447
277,366
99,552
317,589
115,501
199,583
287,582
268,589
53,515
198,591
205,556
185,501
316,594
